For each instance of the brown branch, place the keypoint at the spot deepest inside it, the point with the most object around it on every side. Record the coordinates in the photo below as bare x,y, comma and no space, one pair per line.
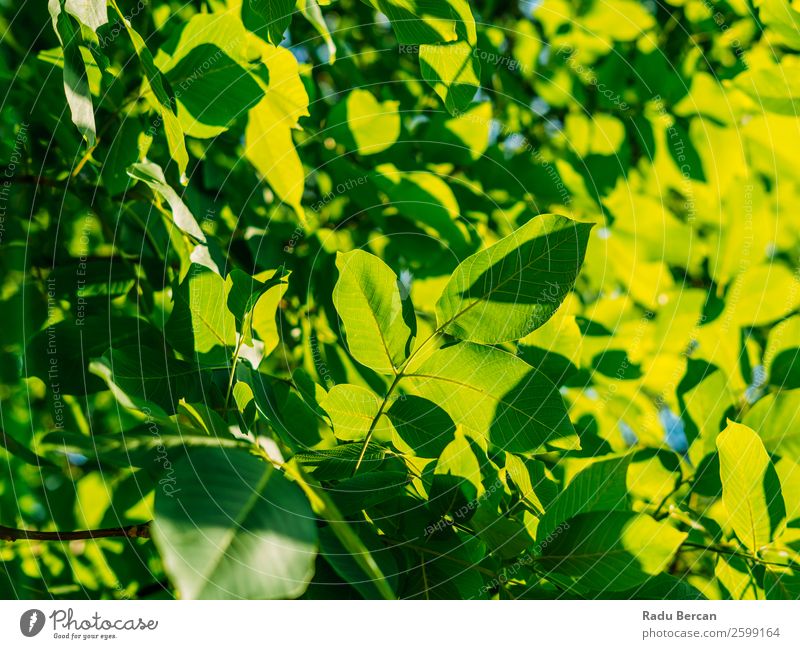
140,531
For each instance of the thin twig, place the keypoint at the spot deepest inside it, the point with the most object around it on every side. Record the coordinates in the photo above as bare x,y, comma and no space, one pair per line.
139,531
734,553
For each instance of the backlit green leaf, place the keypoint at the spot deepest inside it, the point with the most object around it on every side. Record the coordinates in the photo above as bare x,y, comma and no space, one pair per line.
163,100
92,13
365,124
76,85
453,72
599,487
235,528
352,410
200,325
750,487
496,395
153,176
612,551
378,323
511,288
268,141
774,419
420,426
275,16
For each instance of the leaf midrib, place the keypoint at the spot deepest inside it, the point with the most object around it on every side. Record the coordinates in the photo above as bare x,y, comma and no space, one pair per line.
377,325
509,404
241,516
495,288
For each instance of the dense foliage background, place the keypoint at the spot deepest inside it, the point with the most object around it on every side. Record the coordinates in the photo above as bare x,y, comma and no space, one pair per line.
234,304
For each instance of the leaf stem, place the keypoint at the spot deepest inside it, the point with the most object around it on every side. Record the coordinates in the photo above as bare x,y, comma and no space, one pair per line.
233,371
83,160
375,419
399,375
734,553
672,492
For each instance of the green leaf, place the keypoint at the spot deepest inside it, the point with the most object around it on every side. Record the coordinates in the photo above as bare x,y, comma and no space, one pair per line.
706,403
275,16
337,463
352,410
601,486
782,355
76,84
781,584
626,20
128,146
788,470
426,200
143,377
209,58
92,13
447,37
367,490
80,342
326,509
447,571
653,475
773,87
311,12
513,287
268,141
137,447
782,19
751,489
458,459
507,538
254,303
420,426
555,347
200,325
496,395
453,71
762,294
212,90
420,21
772,417
364,124
378,323
456,483
234,528
153,176
736,576
348,568
532,482
284,409
662,587
611,551
467,134
164,102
